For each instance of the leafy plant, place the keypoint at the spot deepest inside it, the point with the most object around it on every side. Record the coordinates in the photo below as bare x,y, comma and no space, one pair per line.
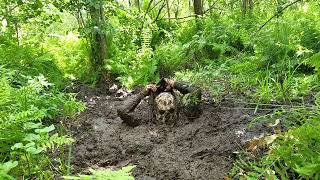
34,146
5,169
293,154
29,61
107,174
23,136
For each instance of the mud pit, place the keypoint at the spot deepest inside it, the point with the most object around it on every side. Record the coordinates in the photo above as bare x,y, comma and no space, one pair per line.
201,149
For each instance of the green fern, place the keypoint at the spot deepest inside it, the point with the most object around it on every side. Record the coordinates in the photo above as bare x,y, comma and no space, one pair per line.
315,61
146,37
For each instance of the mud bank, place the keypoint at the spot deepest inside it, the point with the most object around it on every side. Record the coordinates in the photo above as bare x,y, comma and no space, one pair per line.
199,149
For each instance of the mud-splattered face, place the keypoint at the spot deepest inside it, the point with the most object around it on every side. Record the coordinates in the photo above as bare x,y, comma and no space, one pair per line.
166,110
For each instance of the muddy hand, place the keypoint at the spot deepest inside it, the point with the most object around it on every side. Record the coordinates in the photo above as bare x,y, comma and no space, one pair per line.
151,88
169,83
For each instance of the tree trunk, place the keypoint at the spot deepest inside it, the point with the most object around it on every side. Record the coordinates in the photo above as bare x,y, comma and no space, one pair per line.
137,4
251,7
176,12
197,5
247,5
98,36
244,8
16,27
168,11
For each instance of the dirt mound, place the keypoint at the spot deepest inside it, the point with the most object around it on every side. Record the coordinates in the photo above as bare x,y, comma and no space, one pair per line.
201,149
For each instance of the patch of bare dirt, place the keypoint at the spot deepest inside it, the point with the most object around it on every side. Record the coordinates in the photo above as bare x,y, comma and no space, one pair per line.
199,149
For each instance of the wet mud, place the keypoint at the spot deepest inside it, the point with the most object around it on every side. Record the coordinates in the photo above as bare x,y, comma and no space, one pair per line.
199,149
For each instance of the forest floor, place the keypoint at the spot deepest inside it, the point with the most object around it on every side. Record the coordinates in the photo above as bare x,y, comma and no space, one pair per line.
200,149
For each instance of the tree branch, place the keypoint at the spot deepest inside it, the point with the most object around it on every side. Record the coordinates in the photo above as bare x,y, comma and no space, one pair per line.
159,12
9,11
147,11
155,5
276,14
194,15
212,7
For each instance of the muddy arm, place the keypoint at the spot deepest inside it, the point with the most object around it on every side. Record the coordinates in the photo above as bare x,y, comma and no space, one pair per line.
186,89
193,94
129,105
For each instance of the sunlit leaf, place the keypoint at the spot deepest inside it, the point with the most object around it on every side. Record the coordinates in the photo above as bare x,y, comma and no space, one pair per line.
33,150
31,137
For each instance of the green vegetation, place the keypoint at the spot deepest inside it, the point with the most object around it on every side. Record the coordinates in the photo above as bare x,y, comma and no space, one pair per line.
122,174
259,51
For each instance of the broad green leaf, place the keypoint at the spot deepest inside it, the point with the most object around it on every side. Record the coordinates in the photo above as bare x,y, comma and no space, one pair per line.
33,150
17,146
127,169
31,137
315,60
31,144
31,125
7,166
46,129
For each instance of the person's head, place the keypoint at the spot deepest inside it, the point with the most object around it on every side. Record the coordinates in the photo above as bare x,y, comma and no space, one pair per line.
165,107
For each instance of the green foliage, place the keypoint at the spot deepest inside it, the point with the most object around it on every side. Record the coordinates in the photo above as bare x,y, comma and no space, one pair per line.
299,149
134,69
170,58
5,169
31,151
314,61
23,137
29,61
294,154
70,55
222,52
122,174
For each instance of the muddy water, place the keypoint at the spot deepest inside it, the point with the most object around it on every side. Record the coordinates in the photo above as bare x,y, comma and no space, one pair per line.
198,149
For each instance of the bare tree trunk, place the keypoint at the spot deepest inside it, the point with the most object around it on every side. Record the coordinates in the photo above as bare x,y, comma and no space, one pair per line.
197,5
98,37
198,11
176,12
251,7
137,4
244,8
16,27
247,5
168,11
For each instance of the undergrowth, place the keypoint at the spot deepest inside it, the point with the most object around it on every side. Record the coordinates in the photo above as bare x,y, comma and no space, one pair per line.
291,151
28,107
29,61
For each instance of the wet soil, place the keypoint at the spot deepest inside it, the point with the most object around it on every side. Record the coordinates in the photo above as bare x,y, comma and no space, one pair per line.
199,149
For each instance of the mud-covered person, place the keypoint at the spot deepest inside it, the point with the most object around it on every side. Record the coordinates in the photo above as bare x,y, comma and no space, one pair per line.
189,105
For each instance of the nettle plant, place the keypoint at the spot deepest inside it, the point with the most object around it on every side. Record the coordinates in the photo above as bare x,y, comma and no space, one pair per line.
24,137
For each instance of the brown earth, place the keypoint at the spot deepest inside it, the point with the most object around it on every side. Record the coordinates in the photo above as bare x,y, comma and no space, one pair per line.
199,149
